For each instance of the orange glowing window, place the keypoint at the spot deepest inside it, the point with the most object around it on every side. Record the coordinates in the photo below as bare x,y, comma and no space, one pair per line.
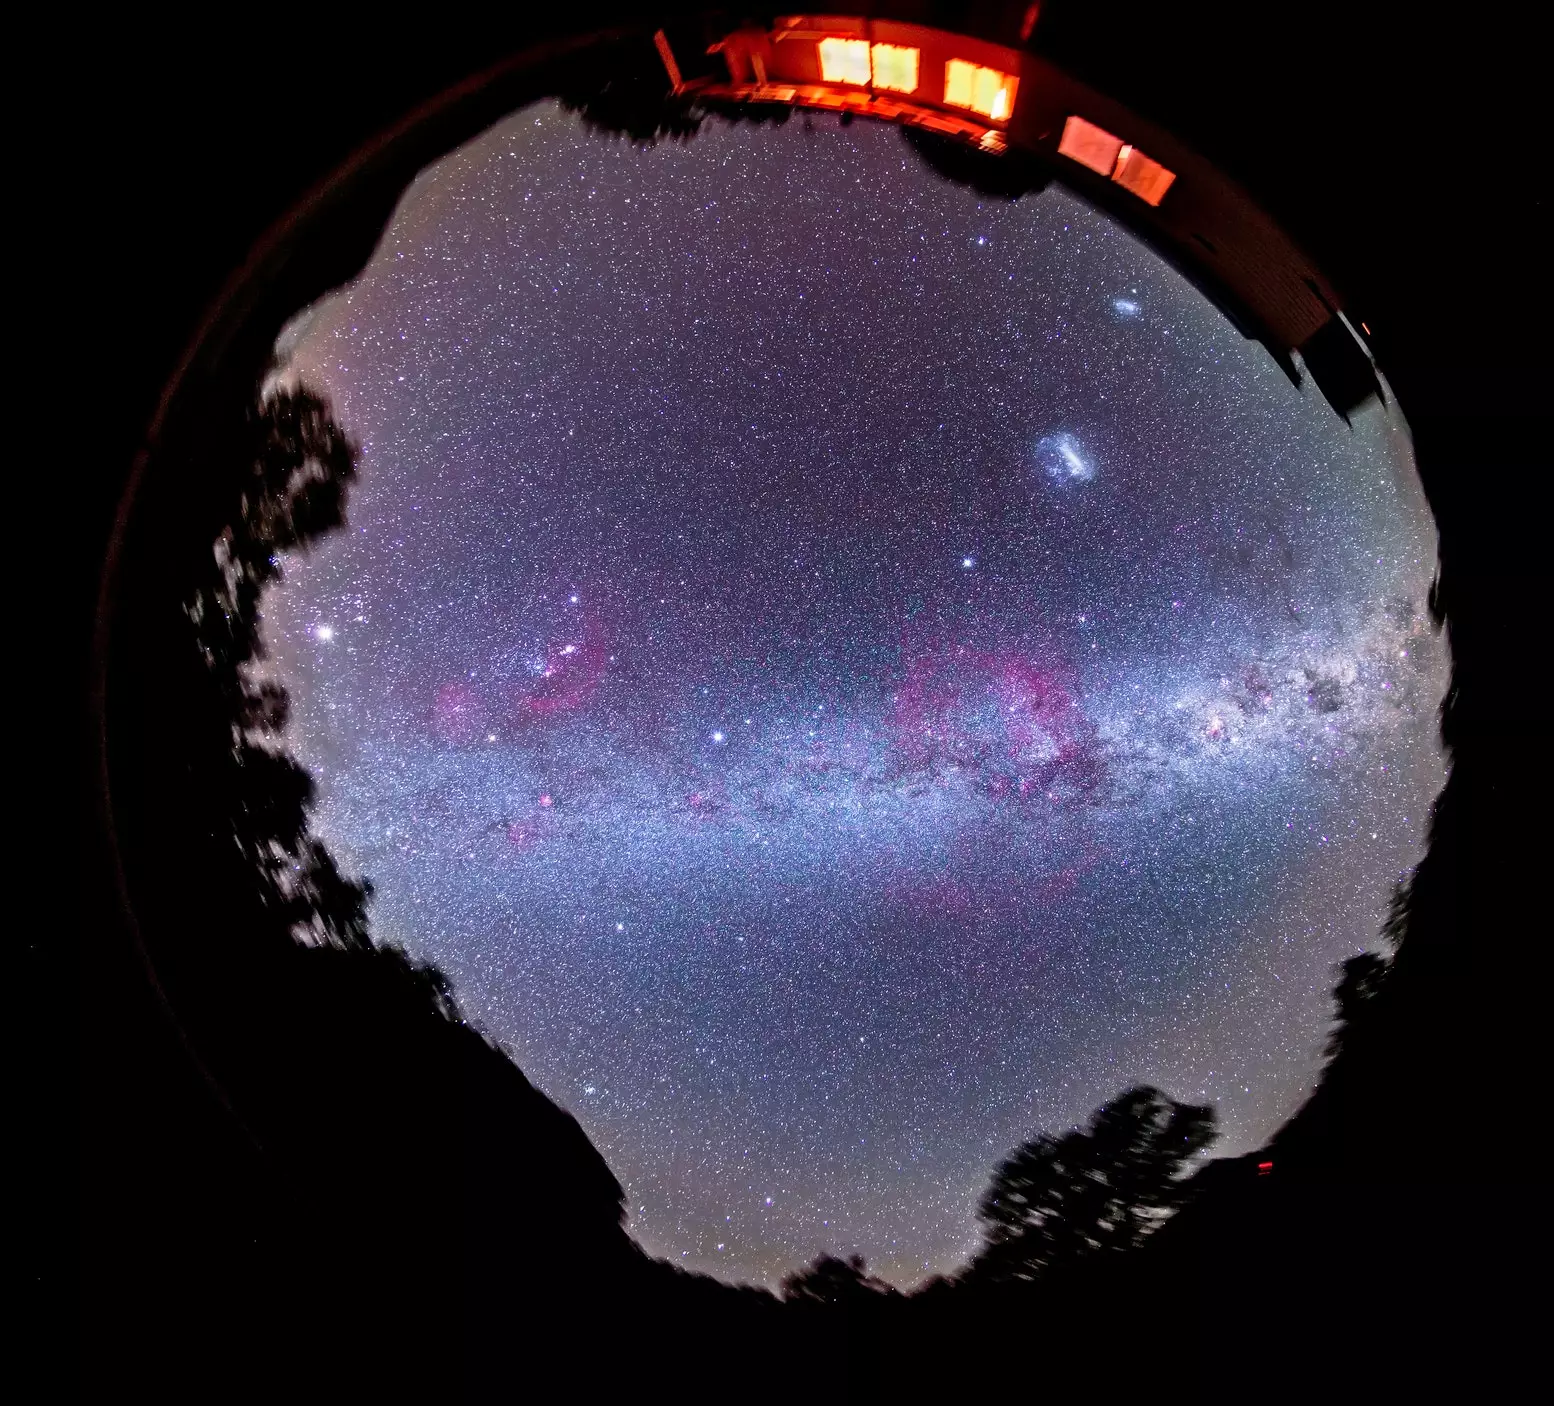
895,68
1109,155
845,61
1147,179
1090,145
983,90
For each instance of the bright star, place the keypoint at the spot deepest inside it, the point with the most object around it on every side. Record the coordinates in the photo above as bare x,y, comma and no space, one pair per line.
324,633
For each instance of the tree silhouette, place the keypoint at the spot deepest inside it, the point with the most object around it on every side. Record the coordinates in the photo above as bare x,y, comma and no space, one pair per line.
629,97
1360,979
834,1282
298,470
1055,1201
1002,175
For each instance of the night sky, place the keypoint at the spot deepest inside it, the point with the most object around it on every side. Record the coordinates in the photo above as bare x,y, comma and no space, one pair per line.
844,674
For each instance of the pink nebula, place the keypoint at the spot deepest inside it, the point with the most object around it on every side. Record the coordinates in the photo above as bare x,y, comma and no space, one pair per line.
569,676
1009,720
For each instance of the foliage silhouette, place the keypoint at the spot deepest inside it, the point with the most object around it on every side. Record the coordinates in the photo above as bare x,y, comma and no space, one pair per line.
832,1282
299,471
1359,980
629,95
1055,1200
1003,175
633,106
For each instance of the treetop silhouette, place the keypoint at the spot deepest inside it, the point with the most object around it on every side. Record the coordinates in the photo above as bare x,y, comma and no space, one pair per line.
833,1282
1056,1200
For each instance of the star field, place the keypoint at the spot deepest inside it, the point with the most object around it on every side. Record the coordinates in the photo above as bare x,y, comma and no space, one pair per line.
844,674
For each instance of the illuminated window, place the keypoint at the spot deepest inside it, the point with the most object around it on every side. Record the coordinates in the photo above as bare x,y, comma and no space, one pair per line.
845,61
1109,155
1147,179
983,90
895,68
1090,145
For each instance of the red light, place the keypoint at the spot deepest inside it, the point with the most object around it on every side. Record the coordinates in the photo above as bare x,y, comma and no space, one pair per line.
1263,1168
1090,145
983,90
1146,178
895,67
844,61
1107,154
